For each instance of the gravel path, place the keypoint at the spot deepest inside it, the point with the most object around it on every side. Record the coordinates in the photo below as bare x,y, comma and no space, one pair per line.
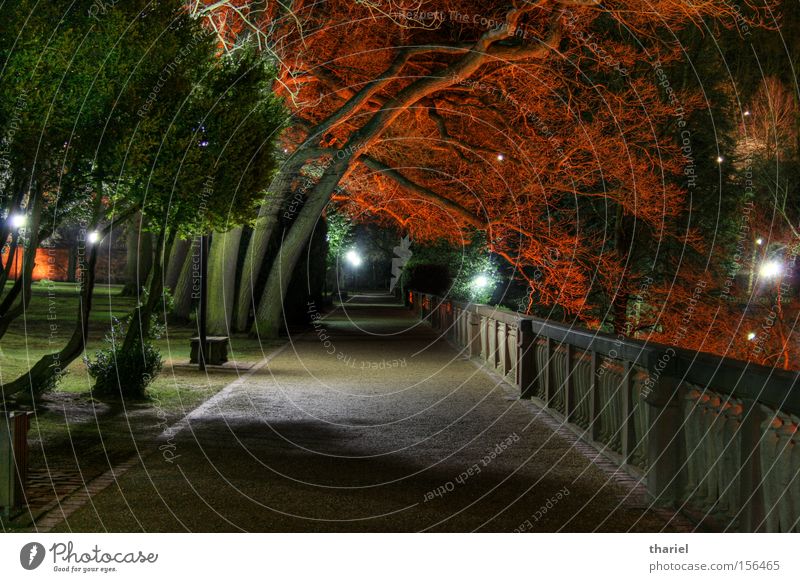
366,423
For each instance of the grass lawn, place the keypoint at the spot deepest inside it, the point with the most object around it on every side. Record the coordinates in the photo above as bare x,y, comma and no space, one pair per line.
75,433
50,320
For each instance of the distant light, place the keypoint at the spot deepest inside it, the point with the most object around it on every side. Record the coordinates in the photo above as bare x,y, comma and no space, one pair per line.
500,157
203,143
93,237
759,241
286,150
480,282
746,113
751,336
720,159
770,269
353,258
18,220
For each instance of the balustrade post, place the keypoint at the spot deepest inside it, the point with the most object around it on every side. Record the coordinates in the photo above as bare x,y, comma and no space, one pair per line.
474,334
548,376
569,396
627,437
491,343
753,509
594,397
501,333
665,446
526,360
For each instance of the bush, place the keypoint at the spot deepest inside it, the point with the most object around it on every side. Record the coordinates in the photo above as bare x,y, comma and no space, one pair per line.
127,374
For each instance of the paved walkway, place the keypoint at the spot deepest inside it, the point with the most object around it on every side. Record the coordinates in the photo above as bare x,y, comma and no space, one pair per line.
367,423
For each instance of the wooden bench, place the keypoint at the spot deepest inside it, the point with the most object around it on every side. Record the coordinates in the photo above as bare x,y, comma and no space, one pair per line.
216,350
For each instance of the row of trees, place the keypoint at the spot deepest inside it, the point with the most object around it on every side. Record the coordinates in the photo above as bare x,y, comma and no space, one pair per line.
132,113
593,144
576,138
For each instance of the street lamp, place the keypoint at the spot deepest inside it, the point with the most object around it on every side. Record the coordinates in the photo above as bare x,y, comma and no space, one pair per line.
480,282
751,336
93,237
18,220
770,269
353,258
355,261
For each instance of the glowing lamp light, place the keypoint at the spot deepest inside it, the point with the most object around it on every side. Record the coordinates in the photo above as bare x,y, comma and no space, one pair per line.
759,241
720,159
746,113
353,258
500,157
751,336
18,220
770,269
93,237
480,282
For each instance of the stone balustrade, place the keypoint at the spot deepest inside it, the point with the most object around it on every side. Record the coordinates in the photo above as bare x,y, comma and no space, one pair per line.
713,437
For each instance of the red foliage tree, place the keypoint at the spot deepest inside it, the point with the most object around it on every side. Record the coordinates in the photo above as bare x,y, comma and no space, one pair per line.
538,122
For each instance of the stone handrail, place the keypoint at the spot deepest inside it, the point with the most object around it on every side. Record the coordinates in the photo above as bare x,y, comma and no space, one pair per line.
713,437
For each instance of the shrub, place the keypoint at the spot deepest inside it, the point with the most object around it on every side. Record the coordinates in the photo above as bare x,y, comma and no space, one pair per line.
125,373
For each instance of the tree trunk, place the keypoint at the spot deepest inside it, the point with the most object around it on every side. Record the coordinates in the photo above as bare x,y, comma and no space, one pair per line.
270,308
49,367
176,261
6,230
259,241
9,310
222,259
621,296
185,288
138,330
139,259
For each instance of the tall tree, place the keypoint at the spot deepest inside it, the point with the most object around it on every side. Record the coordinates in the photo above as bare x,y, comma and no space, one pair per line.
461,115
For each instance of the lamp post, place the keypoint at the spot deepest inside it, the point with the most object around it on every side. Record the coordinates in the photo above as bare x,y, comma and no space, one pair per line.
201,310
355,261
772,269
17,222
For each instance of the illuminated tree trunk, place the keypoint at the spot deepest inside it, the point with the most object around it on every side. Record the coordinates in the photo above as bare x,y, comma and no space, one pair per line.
184,288
270,309
222,259
259,241
176,261
138,330
139,259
